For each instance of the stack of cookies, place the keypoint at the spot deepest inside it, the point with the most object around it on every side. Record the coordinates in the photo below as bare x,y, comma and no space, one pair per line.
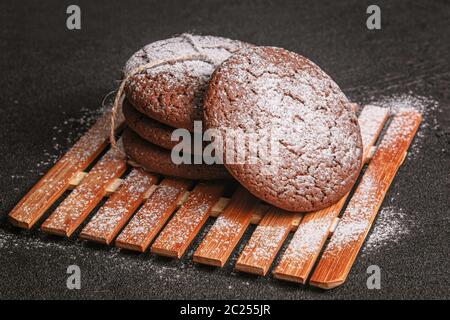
297,144
170,97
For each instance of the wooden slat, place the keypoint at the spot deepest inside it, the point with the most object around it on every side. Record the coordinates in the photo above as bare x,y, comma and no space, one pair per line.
305,246
353,227
113,215
266,240
297,261
187,222
82,200
219,207
78,178
228,228
153,214
53,184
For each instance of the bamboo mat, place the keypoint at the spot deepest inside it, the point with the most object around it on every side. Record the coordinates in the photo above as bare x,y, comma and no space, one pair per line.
145,211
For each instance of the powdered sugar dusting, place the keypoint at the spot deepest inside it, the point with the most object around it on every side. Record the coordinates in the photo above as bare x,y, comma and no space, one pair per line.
77,251
400,130
405,102
69,130
391,226
217,49
189,218
370,121
88,117
356,221
151,214
78,157
427,106
225,230
264,243
307,239
117,207
88,193
357,216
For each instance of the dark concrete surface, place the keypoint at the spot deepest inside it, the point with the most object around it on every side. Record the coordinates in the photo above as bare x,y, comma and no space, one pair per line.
52,78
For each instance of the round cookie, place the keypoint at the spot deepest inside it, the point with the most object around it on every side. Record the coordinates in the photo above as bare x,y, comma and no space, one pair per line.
158,160
298,115
148,129
173,93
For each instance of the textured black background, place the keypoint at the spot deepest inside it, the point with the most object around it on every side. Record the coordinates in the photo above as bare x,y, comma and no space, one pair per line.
50,74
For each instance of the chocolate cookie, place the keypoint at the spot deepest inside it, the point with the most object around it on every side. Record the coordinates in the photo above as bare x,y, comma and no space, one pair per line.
151,130
308,141
158,160
173,93
147,128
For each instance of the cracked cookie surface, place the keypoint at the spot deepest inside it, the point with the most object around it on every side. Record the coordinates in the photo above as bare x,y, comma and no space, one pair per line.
158,160
173,93
299,116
